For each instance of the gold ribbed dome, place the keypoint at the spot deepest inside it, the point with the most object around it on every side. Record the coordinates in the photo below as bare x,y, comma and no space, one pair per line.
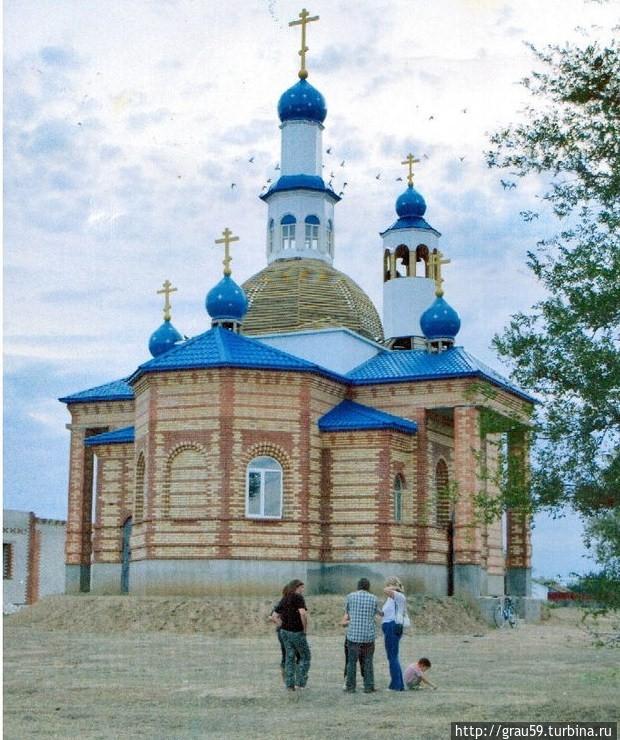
295,294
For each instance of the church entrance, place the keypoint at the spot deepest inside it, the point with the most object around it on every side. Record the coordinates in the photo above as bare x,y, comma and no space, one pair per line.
450,537
125,556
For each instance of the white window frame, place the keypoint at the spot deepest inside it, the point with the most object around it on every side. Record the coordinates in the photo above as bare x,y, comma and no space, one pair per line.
288,236
276,468
312,237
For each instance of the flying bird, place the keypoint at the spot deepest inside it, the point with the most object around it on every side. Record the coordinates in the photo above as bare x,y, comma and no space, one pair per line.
461,159
233,185
268,181
431,118
399,179
328,150
277,167
464,110
331,174
344,184
342,163
341,193
251,160
378,176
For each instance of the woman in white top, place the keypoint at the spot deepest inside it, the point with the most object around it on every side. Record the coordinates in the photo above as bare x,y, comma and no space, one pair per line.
393,611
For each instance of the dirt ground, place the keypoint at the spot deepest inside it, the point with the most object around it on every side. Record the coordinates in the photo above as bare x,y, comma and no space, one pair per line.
164,676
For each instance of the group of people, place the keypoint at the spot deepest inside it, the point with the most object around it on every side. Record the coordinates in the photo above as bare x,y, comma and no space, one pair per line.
361,611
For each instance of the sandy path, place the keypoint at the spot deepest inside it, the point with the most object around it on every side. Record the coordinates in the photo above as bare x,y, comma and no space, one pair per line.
162,685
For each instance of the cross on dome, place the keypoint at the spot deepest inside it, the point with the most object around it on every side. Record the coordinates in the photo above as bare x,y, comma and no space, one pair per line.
435,261
305,18
166,290
227,238
410,160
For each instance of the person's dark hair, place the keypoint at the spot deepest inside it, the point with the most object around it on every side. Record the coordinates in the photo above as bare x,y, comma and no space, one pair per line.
425,662
292,586
363,584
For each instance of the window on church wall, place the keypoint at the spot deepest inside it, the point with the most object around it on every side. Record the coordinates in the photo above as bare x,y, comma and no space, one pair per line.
421,261
7,560
401,256
138,507
397,496
387,267
312,233
264,489
186,485
270,237
330,238
288,232
442,494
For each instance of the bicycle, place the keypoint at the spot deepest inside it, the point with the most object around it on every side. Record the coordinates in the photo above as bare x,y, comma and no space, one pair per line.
505,613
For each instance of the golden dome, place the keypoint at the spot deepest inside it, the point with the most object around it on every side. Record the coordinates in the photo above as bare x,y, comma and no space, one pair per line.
295,294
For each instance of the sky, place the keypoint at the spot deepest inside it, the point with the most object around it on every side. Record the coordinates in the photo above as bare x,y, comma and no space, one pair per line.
128,133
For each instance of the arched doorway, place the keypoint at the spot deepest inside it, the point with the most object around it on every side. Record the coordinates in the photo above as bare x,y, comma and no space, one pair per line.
125,556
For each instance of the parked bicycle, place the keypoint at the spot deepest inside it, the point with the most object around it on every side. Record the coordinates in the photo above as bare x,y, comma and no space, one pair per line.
505,613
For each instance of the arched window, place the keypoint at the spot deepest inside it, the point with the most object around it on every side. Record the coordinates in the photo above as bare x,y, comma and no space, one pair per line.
442,493
387,266
288,232
421,258
312,233
397,495
185,487
138,500
401,256
263,499
330,238
270,237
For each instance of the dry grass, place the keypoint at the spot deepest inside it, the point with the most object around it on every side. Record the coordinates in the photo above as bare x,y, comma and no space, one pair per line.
129,683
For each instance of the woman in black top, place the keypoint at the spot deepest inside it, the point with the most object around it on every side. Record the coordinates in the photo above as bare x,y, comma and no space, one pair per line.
275,617
294,621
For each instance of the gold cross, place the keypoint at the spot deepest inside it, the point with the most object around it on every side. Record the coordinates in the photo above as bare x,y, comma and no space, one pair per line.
167,289
411,160
435,261
226,240
303,22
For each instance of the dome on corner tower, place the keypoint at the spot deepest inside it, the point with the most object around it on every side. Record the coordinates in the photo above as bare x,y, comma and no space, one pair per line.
226,301
410,204
163,339
440,321
302,102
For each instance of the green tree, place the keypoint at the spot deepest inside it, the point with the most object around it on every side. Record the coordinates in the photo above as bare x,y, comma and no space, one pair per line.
566,348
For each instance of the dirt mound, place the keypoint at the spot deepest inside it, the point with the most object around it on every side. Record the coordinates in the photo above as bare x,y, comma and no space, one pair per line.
228,616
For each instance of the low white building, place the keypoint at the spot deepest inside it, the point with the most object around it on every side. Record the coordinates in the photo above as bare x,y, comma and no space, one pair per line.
32,558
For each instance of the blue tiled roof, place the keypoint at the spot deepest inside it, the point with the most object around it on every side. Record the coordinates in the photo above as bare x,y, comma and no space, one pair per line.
350,416
300,182
117,390
403,365
222,348
117,437
411,222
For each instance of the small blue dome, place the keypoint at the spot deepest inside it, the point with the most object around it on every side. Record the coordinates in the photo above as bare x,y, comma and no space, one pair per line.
302,102
410,204
226,301
163,339
440,320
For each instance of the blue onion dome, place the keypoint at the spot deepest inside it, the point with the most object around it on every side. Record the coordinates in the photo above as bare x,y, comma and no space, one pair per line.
440,320
302,102
163,339
410,204
226,301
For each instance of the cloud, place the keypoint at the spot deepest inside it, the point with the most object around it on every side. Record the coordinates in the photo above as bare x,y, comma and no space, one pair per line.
140,121
59,57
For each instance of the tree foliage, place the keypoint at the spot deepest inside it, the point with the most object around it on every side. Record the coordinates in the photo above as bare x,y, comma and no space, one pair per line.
566,348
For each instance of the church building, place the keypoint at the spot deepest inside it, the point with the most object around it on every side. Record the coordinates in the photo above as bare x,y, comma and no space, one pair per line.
301,435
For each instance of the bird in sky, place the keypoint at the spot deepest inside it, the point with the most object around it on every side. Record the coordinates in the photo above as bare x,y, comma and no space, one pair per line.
399,179
344,184
378,176
464,110
263,188
328,150
329,184
268,181
461,159
251,159
431,118
341,193
233,185
331,174
277,167
342,163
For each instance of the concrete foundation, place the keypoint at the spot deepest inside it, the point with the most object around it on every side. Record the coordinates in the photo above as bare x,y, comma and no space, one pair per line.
106,578
468,581
73,579
519,581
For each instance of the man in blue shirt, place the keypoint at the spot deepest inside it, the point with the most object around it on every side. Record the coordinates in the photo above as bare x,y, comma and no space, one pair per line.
360,610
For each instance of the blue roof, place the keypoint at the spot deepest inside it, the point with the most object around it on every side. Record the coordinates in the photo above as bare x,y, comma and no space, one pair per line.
117,437
416,365
302,102
350,416
117,390
411,222
300,182
220,347
410,204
